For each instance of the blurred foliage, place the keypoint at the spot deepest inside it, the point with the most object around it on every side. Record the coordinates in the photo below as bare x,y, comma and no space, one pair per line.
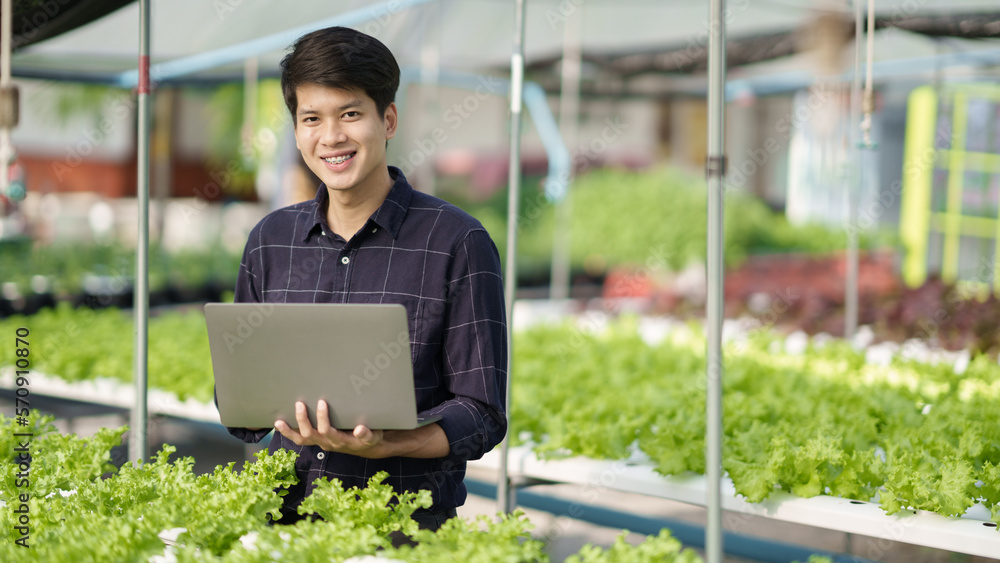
60,103
67,265
231,149
655,219
534,222
84,99
230,146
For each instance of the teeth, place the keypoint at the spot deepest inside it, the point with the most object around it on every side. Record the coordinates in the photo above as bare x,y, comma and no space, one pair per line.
338,159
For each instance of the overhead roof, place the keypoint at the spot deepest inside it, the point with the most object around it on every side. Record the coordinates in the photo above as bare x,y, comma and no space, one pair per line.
37,20
626,36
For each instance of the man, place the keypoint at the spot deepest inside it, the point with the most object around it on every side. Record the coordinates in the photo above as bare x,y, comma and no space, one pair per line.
368,237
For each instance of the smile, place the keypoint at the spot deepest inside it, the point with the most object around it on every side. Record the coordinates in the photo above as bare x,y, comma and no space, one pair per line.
340,159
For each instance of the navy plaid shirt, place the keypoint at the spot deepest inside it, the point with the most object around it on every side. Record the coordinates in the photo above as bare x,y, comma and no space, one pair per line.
440,264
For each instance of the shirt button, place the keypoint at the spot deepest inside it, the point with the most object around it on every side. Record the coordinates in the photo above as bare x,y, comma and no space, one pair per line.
345,260
320,455
322,233
374,229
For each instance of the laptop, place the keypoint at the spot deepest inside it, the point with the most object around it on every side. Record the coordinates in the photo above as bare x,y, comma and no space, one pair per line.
267,356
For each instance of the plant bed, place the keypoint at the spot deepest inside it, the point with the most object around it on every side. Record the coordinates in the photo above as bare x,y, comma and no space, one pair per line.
798,417
806,292
821,276
78,506
802,417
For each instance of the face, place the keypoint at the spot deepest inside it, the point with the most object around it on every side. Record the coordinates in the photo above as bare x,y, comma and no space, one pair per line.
342,137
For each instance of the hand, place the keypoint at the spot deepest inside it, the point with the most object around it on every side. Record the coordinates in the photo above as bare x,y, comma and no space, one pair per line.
363,441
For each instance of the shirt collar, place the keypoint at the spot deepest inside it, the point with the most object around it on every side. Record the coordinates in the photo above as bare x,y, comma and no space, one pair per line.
389,215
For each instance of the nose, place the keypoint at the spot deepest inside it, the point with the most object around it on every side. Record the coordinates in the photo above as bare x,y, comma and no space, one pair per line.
332,133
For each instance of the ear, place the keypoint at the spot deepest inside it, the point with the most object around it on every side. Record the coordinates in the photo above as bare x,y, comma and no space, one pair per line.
391,119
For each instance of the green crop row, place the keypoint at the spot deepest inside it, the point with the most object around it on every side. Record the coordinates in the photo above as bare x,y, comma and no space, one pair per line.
912,435
61,509
67,266
82,344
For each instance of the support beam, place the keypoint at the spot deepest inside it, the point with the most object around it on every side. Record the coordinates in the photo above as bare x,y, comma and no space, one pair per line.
716,172
138,446
505,494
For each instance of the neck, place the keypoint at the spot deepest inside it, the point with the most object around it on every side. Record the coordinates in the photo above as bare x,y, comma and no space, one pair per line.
350,209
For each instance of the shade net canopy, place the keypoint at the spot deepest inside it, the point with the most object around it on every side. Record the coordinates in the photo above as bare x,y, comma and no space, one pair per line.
626,37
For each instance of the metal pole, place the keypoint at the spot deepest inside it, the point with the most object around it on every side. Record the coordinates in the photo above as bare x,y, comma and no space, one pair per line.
6,28
716,171
138,448
868,102
853,188
251,80
505,500
569,109
6,147
427,100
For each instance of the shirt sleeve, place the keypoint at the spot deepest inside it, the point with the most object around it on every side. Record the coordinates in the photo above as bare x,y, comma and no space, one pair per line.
475,351
247,291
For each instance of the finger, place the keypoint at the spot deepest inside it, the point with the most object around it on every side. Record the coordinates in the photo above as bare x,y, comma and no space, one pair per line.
365,435
361,432
282,427
322,417
302,417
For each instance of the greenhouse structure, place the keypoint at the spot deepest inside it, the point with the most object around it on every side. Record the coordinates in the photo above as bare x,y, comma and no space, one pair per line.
749,253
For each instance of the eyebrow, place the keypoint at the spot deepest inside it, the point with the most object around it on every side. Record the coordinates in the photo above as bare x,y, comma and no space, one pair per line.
355,103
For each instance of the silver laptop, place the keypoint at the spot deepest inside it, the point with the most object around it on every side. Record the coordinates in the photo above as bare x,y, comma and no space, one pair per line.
267,356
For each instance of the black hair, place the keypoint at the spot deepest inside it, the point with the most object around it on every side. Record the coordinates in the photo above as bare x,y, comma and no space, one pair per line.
340,57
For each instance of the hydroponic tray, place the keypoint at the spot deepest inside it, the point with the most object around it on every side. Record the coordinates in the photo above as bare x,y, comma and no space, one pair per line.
111,392
972,534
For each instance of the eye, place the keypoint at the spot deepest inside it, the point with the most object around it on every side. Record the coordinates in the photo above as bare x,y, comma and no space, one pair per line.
310,119
352,114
